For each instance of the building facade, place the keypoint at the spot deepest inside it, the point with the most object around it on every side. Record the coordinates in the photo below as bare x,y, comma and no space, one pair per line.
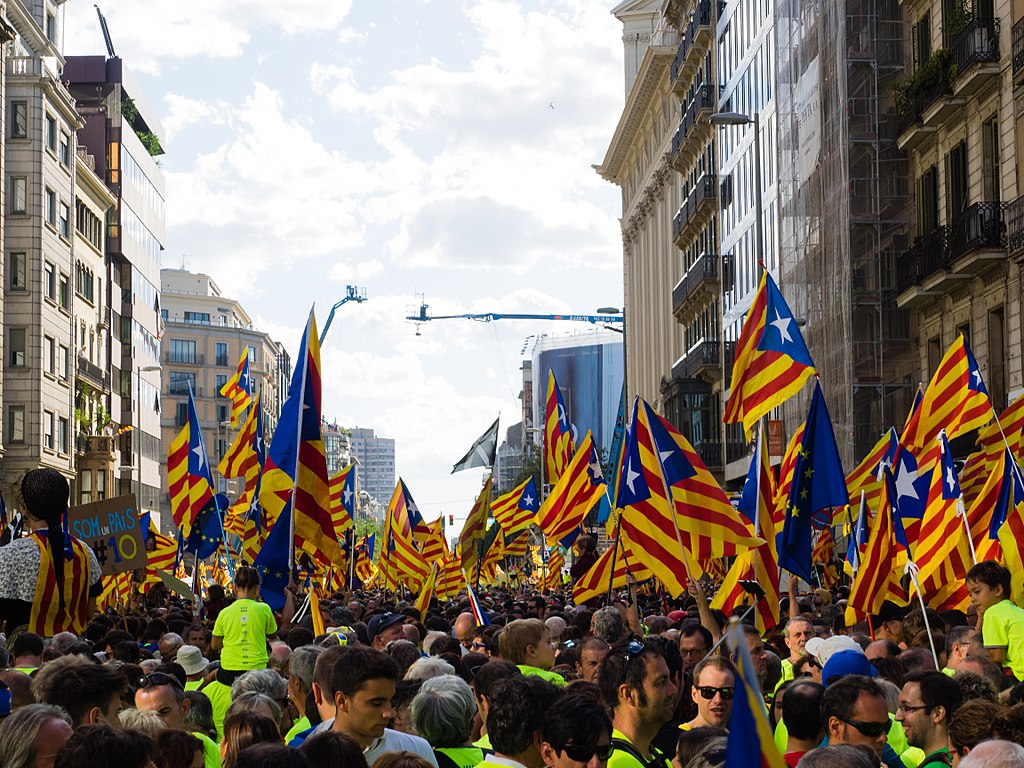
204,337
375,457
121,132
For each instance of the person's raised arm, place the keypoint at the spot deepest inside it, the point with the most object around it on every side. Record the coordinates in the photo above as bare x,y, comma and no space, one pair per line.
703,608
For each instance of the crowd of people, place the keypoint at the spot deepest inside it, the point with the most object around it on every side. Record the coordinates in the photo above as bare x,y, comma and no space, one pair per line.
641,683
517,679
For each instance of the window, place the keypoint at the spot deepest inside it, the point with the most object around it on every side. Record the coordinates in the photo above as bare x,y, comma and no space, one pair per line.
990,161
179,382
181,416
16,424
16,269
928,201
921,41
19,194
63,356
85,282
997,357
965,331
16,346
65,291
101,485
956,182
222,413
19,119
48,354
65,149
88,225
85,486
222,353
252,354
50,133
48,429
62,434
51,207
51,27
182,351
64,223
222,379
49,280
202,318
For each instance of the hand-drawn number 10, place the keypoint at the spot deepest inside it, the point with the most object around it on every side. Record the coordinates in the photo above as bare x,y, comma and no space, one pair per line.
124,547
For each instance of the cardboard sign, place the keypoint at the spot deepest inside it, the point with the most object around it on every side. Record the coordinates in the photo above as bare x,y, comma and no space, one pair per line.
776,441
111,527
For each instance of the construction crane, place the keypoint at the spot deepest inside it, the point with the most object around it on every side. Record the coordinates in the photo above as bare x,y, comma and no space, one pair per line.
604,315
352,293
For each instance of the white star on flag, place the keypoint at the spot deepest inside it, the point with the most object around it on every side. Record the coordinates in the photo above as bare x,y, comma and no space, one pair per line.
949,478
631,476
528,501
783,325
561,416
198,451
905,483
347,496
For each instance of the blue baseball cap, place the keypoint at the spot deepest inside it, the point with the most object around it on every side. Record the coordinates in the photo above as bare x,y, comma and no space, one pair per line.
845,663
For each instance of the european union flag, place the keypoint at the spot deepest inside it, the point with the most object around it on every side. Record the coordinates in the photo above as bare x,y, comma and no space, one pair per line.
781,332
272,562
818,483
205,537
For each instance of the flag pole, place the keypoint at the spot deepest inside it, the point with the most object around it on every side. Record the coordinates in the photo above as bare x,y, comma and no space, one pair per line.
961,508
912,569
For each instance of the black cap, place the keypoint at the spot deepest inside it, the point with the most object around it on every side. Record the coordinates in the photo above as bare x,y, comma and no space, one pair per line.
381,622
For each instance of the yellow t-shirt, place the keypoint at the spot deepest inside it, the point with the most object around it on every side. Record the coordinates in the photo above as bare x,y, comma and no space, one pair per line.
544,674
211,753
1003,627
245,625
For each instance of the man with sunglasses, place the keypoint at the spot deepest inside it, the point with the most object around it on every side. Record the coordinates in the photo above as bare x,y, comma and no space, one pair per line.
164,693
853,711
925,707
637,686
714,685
577,733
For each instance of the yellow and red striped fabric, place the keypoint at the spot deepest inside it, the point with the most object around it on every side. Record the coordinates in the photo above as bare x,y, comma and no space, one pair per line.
558,447
238,389
785,481
956,400
400,560
574,495
435,548
761,378
594,583
340,505
474,529
510,514
48,616
877,579
188,473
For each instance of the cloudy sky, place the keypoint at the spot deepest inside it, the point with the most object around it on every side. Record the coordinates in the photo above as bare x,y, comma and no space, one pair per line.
435,147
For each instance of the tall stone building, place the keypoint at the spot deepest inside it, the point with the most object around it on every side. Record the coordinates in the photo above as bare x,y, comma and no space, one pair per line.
205,335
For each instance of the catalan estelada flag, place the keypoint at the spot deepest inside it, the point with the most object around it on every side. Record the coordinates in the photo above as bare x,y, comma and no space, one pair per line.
772,362
943,549
435,548
956,400
818,483
711,528
238,389
426,593
759,564
343,499
595,582
188,472
449,580
1010,531
574,495
401,561
1012,422
365,569
878,578
558,445
516,509
474,529
246,458
751,744
296,467
60,607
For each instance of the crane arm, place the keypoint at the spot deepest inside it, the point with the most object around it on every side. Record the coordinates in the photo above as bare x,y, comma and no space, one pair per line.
486,317
352,293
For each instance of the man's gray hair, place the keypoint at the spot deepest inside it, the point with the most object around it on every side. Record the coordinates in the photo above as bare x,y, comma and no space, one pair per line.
19,730
995,754
608,624
405,654
301,664
428,641
839,756
443,710
556,627
429,667
265,681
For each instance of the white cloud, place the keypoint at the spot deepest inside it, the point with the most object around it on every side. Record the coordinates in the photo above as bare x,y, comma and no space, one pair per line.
148,34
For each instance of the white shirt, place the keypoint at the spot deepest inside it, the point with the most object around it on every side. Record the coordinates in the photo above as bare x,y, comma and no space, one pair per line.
396,741
502,760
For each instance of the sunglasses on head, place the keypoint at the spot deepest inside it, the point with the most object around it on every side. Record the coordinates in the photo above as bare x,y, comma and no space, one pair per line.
707,692
871,730
631,649
581,754
158,678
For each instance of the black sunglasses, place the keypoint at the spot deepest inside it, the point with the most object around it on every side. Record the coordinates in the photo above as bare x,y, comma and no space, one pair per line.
581,754
707,692
871,730
158,678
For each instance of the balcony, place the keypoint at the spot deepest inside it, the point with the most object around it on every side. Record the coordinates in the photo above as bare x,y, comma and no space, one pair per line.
185,358
695,211
180,389
702,360
924,99
1017,33
97,446
701,284
1014,217
93,374
711,453
974,56
694,129
938,262
694,44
